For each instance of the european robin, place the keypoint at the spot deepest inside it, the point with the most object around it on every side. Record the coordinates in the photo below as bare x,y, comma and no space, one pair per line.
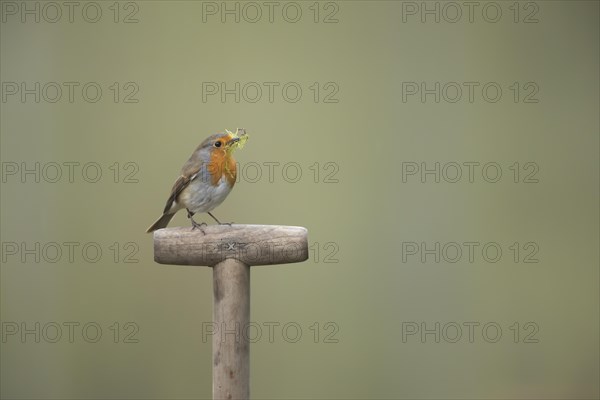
206,179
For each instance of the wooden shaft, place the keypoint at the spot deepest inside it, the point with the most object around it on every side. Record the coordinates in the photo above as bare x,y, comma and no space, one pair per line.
231,317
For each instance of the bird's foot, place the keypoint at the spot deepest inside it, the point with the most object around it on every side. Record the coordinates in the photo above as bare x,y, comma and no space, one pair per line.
219,222
196,225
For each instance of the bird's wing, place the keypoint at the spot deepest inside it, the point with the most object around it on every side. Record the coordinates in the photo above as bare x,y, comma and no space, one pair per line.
181,183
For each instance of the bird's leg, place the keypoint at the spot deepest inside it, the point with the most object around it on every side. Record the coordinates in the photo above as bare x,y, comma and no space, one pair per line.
194,223
219,222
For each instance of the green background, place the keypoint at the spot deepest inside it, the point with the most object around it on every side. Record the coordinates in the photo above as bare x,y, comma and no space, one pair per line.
361,221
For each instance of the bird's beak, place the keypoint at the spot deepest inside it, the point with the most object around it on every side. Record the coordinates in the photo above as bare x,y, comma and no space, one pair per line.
233,141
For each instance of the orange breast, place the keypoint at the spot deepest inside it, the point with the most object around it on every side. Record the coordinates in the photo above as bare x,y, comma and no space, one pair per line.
222,164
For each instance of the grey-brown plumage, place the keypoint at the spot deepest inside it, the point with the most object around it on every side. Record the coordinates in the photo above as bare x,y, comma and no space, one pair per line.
160,223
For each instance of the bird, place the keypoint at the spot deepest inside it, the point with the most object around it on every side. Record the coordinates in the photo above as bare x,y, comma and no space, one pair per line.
206,179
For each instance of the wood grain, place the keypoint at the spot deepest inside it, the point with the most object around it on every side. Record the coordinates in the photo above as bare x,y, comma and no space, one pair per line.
250,244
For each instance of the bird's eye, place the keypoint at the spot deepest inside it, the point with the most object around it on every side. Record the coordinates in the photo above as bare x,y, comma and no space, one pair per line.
218,143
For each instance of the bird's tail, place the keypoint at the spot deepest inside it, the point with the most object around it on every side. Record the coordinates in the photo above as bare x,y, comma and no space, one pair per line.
162,222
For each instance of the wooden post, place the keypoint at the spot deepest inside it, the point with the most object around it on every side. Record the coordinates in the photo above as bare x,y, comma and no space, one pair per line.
230,251
231,313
